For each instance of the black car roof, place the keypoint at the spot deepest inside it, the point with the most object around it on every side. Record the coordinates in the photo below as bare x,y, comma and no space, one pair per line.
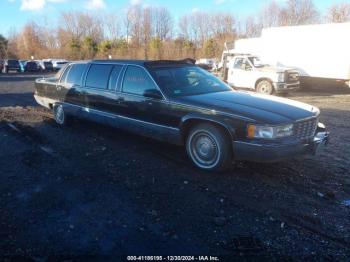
149,63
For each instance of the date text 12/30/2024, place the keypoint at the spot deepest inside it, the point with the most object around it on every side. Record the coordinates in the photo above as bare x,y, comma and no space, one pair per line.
173,258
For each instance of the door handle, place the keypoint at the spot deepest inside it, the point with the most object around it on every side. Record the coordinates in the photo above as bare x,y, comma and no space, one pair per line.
120,100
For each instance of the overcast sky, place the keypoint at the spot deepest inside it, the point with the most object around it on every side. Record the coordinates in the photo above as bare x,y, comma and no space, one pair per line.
15,13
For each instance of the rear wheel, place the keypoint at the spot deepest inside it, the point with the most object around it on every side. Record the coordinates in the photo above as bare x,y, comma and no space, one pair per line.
209,148
265,87
60,115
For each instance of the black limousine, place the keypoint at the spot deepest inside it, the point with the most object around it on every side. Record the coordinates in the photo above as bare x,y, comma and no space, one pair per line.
180,103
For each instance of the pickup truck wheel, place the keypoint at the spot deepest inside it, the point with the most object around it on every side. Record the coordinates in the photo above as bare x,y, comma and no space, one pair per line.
208,147
265,87
59,115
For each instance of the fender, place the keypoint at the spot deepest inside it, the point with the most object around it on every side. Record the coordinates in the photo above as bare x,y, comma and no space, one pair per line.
227,123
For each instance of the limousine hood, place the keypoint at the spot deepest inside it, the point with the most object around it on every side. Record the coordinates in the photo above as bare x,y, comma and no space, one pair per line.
261,108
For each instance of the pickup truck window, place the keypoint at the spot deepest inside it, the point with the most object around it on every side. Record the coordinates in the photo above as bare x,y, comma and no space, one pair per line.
98,76
137,81
256,61
75,74
238,63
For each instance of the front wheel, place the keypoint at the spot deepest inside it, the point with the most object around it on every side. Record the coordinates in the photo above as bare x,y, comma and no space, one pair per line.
265,87
209,148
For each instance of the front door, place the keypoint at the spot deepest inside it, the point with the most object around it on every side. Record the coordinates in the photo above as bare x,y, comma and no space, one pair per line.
146,114
240,74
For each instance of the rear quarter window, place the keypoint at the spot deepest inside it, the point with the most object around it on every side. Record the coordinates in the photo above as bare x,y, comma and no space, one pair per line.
64,74
75,74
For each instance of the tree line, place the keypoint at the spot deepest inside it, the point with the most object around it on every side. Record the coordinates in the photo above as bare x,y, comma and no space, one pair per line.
152,33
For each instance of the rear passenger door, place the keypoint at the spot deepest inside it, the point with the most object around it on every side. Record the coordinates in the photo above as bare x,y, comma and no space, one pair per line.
100,88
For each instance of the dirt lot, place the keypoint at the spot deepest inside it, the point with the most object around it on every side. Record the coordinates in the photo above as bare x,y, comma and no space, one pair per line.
91,191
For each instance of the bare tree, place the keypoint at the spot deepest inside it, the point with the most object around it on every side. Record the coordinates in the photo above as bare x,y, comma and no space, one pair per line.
112,25
339,13
252,27
146,29
299,12
163,22
134,18
81,25
30,41
184,27
270,15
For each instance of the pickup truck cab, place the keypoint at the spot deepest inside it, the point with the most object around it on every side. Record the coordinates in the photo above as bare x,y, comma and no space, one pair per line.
247,71
178,102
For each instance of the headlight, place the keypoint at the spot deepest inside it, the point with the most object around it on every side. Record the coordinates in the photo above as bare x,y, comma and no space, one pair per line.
269,132
281,77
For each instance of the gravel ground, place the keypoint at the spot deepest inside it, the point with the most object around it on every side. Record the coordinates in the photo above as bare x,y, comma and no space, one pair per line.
89,191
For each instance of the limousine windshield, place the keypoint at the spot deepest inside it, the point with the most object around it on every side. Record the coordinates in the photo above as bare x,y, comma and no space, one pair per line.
188,80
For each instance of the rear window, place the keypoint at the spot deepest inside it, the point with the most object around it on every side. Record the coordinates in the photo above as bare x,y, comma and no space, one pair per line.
31,64
13,62
98,76
76,73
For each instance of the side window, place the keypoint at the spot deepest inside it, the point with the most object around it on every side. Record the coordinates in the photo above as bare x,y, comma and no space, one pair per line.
136,81
238,63
114,77
76,73
98,76
64,76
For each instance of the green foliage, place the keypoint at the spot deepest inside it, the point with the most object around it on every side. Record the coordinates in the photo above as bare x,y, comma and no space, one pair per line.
74,44
211,48
156,43
89,48
105,46
120,44
189,45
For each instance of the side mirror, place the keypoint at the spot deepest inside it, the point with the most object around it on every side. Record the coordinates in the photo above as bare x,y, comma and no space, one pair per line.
153,93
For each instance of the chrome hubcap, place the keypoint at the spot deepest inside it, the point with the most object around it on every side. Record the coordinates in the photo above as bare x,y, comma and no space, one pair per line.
59,114
204,149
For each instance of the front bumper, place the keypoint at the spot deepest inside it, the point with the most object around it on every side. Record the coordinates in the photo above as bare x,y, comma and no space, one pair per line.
284,87
274,152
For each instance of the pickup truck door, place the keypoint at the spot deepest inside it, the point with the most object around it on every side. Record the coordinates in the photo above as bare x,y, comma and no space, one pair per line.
240,73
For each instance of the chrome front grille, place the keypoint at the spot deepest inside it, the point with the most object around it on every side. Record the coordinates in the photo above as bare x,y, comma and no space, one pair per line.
305,128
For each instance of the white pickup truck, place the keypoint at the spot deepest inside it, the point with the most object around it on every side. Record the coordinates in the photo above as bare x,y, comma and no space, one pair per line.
319,52
247,71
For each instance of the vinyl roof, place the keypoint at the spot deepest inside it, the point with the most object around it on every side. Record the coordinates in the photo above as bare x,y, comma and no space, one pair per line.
149,63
